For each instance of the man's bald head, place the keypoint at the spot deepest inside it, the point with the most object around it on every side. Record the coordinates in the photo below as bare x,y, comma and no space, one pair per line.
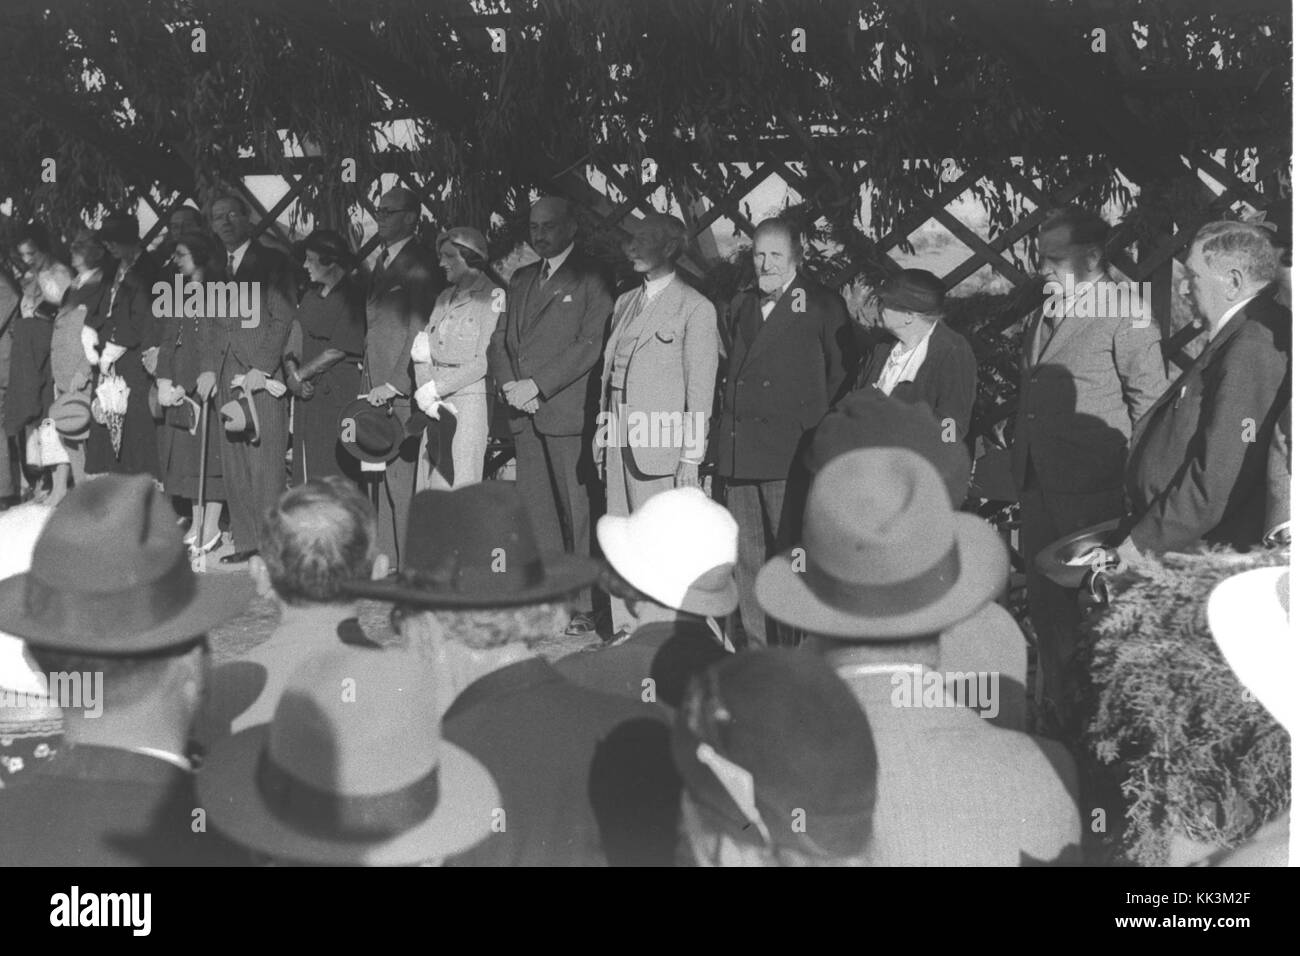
551,226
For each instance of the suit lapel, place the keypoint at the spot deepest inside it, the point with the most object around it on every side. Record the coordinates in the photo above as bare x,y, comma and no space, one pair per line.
654,312
770,329
541,296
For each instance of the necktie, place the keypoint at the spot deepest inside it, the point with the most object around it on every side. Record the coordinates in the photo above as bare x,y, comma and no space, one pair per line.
768,302
230,264
546,269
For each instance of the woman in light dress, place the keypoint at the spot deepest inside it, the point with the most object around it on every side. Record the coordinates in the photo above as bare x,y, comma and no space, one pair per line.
450,359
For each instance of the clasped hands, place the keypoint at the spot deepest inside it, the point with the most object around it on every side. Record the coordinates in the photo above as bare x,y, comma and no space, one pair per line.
255,379
523,395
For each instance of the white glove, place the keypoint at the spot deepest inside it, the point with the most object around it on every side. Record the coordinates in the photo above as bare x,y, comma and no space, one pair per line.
169,394
90,344
110,353
275,388
420,349
429,402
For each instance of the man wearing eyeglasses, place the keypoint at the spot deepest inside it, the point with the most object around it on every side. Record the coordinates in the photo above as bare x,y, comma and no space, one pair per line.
403,287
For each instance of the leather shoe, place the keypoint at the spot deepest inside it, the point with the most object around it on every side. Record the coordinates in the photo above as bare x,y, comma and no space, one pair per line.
239,557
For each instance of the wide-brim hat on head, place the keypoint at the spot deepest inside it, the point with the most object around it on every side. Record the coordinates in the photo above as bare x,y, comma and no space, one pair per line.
883,556
474,547
466,237
350,778
678,548
762,734
1061,561
370,433
239,417
71,414
1250,619
110,576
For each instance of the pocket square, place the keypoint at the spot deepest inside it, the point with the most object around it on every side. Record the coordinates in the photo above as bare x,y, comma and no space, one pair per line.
666,337
567,298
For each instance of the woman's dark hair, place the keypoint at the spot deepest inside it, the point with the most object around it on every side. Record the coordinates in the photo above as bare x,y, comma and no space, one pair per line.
203,249
330,247
88,248
37,235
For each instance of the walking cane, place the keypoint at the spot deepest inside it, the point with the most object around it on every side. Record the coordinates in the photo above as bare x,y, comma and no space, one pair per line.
200,560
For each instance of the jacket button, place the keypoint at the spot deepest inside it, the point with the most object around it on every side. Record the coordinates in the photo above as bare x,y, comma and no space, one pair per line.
1032,416
740,381
766,383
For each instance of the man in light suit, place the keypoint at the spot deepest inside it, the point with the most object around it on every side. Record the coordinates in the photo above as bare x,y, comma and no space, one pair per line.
403,288
1090,368
873,597
544,356
661,364
254,473
789,350
1198,469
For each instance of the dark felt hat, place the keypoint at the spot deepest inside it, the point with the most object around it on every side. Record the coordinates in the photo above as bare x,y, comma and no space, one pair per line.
118,228
473,548
913,290
110,576
779,728
370,433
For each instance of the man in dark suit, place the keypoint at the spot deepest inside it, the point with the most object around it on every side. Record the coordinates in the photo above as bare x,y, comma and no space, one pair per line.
113,613
1090,368
1198,469
544,357
249,351
403,288
788,352
922,360
585,778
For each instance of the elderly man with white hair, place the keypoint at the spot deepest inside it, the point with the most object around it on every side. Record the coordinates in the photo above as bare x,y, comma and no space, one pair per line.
1198,462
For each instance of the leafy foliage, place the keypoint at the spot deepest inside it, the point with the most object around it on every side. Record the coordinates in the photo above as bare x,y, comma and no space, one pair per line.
1195,753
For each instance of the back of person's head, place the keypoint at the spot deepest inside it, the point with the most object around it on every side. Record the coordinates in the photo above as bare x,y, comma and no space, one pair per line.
317,537
778,764
110,685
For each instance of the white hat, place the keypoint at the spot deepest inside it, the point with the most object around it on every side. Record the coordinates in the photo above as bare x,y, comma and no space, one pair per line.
678,548
19,529
1249,617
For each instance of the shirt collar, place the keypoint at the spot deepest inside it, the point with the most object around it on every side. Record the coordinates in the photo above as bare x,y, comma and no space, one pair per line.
1233,310
237,257
557,261
654,286
394,248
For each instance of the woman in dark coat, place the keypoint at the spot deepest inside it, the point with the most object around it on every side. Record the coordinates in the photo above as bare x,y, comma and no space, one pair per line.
188,342
44,285
325,376
126,329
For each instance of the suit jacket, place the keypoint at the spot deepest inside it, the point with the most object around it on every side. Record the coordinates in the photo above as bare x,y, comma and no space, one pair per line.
238,348
553,334
673,369
954,790
1079,399
1198,467
100,806
669,653
945,381
585,778
398,304
781,375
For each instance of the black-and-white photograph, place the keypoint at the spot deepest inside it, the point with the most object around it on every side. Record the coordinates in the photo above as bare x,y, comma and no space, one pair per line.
646,433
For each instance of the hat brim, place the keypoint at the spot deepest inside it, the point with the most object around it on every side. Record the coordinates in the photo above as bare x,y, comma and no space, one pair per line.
784,594
1251,627
565,574
227,788
612,533
217,598
1053,561
360,454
